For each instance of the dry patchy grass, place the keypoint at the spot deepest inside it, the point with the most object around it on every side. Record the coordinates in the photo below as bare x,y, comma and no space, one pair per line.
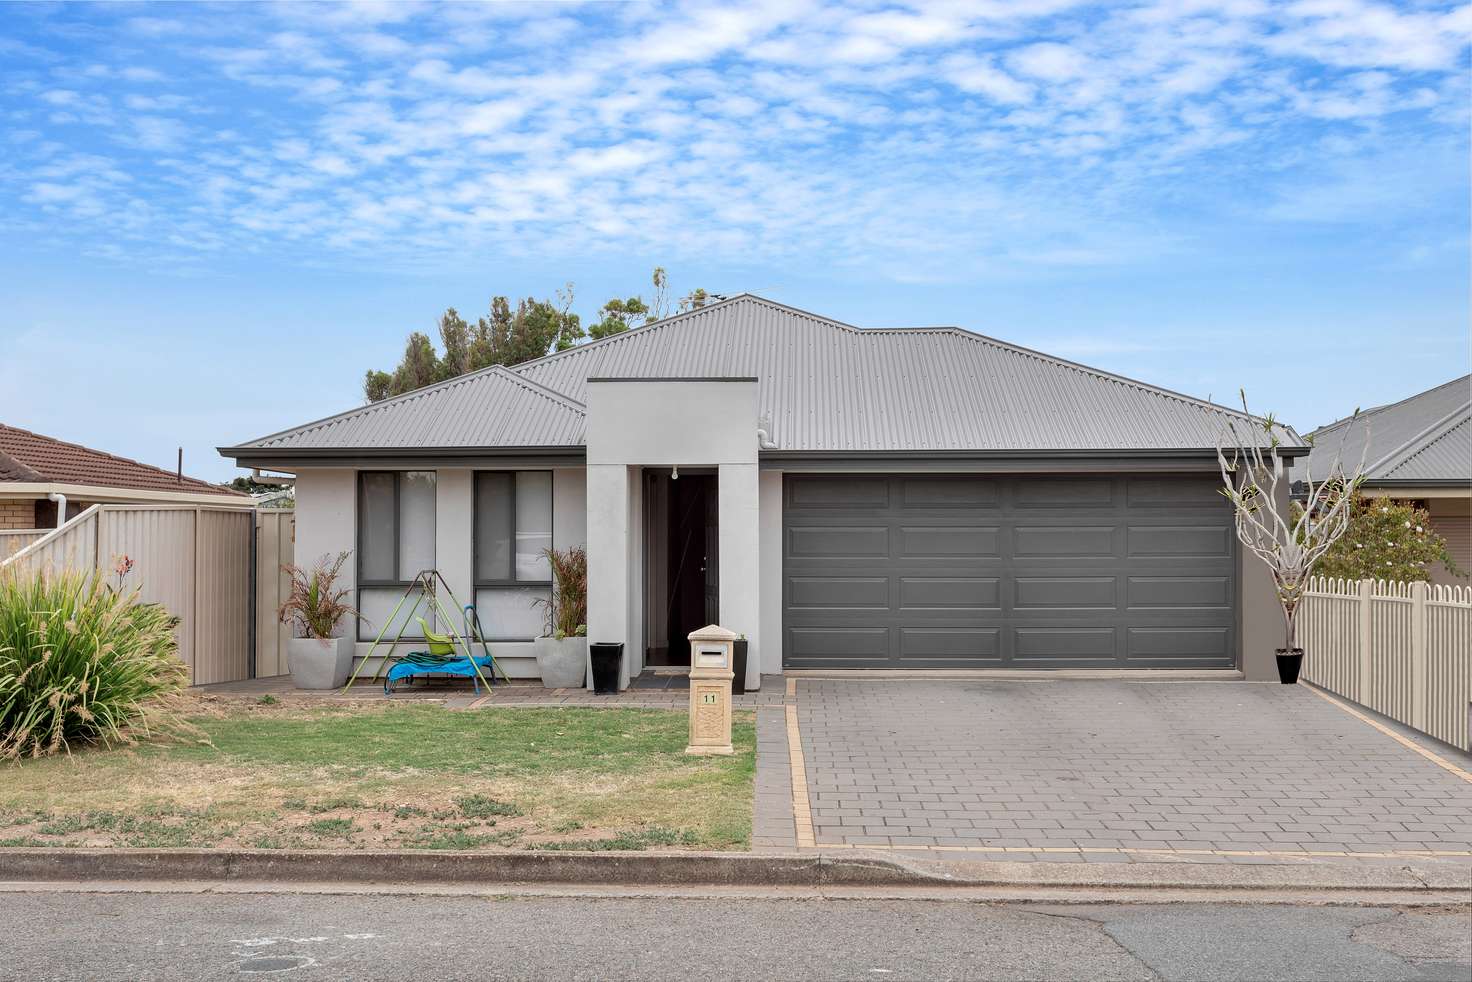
337,775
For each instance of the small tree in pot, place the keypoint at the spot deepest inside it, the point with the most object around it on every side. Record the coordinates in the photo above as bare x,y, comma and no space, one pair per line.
314,607
562,651
1290,540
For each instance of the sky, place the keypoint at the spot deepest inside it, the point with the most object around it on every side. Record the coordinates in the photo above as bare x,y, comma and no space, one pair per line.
215,218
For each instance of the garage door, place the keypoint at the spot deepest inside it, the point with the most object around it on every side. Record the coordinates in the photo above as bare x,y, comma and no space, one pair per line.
963,571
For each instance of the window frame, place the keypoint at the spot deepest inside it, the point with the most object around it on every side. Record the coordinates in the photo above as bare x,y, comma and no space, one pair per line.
478,584
363,583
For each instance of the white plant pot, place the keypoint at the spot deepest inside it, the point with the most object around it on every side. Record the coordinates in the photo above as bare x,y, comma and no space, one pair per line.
319,663
563,664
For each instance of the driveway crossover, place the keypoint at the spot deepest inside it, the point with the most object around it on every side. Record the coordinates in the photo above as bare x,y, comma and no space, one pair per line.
1112,765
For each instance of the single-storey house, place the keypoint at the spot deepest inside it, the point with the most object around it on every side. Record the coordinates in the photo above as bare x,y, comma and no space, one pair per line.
848,499
39,475
1420,451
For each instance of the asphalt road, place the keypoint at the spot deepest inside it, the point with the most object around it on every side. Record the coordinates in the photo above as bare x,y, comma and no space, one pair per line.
406,939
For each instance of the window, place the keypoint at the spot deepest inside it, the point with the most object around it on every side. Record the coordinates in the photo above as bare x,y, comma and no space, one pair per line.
396,529
513,525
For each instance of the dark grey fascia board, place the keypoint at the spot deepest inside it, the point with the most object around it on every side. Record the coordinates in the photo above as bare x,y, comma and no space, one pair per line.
1431,482
991,461
406,457
678,378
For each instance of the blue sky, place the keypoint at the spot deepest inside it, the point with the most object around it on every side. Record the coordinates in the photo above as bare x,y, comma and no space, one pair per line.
213,219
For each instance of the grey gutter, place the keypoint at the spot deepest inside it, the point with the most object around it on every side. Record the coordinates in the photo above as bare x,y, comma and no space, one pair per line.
403,456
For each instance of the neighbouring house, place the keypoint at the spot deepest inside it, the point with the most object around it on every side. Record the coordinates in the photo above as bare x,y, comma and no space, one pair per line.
40,473
917,498
1421,451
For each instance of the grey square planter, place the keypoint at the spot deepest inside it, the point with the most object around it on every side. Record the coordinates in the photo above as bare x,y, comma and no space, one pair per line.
319,663
563,663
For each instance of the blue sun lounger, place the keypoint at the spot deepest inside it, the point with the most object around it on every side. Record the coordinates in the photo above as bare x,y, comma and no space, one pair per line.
433,666
439,660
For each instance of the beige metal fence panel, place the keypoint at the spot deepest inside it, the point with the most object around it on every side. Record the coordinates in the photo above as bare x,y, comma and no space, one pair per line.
161,544
73,546
275,547
1402,649
13,541
195,561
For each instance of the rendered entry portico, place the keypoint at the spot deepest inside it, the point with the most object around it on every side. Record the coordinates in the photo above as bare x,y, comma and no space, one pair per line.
843,499
692,424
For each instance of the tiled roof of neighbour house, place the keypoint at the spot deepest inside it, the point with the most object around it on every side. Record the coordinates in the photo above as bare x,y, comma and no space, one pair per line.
31,458
489,408
823,386
1427,437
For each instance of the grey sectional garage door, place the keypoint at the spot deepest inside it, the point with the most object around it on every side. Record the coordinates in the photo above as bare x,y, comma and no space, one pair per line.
962,571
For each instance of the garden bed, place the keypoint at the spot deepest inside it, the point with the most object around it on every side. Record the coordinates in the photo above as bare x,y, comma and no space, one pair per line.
275,776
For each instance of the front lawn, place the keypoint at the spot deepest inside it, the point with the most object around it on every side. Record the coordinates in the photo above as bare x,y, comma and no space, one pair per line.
394,776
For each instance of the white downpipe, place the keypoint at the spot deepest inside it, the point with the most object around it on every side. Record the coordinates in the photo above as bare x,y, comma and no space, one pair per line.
60,500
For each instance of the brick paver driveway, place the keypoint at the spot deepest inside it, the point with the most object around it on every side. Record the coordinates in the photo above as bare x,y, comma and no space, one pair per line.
1108,765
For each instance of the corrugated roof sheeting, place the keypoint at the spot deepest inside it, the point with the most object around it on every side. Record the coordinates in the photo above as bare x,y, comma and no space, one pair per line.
493,408
1445,457
830,387
1396,432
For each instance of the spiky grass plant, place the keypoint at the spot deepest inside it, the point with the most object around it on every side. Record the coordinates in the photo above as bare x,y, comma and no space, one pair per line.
315,603
83,663
566,611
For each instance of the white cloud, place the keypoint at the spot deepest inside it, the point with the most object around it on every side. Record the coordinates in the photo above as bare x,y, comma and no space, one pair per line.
1021,134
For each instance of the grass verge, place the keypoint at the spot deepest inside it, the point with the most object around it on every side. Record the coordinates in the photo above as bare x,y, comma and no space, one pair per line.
394,776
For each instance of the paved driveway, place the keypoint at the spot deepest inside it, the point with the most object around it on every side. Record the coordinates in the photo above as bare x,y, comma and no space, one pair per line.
1106,765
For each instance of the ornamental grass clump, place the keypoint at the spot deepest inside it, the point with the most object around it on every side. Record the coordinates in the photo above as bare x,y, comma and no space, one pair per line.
83,663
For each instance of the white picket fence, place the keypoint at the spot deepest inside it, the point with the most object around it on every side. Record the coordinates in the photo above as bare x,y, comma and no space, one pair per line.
1402,649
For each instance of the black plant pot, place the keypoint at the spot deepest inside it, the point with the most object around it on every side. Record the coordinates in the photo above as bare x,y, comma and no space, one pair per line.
607,657
738,665
1289,662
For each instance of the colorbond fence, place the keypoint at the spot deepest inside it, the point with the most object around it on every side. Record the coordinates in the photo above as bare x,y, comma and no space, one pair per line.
1402,649
198,561
13,541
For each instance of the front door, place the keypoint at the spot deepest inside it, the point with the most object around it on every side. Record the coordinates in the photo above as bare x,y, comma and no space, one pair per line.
682,562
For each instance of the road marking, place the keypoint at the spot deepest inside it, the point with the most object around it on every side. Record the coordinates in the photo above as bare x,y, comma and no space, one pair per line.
1435,758
802,814
1126,850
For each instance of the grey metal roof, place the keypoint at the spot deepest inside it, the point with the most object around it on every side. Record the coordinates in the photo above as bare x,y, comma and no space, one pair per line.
823,386
1426,438
489,408
827,386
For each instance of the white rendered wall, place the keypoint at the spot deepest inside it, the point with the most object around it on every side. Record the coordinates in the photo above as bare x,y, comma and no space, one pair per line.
326,508
326,523
740,560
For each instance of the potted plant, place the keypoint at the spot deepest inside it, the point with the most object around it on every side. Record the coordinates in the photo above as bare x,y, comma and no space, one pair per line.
1289,539
314,607
562,651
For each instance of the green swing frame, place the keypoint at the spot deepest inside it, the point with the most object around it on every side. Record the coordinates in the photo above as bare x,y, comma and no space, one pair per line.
429,582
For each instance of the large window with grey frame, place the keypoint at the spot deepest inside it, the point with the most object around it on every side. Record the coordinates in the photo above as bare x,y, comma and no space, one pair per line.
513,528
396,536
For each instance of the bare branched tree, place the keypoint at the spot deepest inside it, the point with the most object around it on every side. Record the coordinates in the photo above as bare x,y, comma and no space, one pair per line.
1254,479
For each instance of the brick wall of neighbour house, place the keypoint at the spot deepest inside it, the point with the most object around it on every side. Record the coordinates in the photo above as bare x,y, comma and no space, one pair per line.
17,514
46,512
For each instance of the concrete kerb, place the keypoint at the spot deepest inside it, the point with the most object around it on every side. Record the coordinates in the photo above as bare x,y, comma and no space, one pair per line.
68,865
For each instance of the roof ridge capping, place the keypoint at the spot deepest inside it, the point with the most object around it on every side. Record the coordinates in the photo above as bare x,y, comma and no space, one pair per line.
1424,439
1461,379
